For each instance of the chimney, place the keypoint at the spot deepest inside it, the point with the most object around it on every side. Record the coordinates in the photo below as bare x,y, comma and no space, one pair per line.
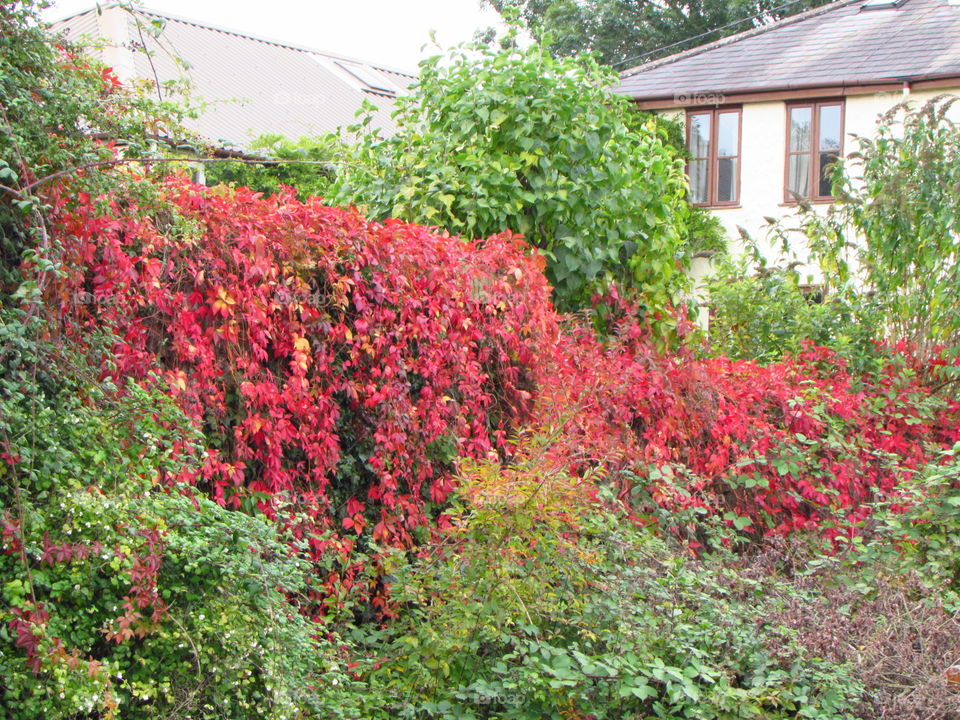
115,30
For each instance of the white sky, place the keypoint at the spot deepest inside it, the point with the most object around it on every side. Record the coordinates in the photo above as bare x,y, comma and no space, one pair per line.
389,32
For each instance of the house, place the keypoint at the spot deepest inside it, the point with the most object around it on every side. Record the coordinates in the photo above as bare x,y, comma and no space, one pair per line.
767,110
248,86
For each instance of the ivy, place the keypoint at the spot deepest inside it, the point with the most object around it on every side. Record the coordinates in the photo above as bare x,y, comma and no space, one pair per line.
802,444
336,366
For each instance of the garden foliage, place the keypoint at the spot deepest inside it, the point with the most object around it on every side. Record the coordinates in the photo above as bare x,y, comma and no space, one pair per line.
336,369
334,364
894,232
802,443
265,458
54,105
122,597
308,165
341,365
540,601
763,311
514,139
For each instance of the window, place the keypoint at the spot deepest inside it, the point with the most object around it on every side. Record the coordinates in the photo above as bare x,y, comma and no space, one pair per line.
713,138
814,294
881,4
814,141
372,78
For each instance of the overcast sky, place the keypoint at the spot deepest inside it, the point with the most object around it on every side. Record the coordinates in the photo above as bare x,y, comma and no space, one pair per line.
389,32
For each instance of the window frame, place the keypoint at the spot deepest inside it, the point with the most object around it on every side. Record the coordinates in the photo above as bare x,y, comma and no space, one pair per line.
713,160
814,152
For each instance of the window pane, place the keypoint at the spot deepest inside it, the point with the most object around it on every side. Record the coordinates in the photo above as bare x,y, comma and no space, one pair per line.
825,189
727,180
700,136
698,181
798,175
800,127
830,128
728,133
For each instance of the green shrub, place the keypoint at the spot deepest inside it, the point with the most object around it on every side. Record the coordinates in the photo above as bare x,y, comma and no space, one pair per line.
311,173
917,532
762,312
120,596
537,603
493,139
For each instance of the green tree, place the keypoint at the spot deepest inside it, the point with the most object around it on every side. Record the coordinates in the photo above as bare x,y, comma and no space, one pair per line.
310,172
894,232
497,139
618,30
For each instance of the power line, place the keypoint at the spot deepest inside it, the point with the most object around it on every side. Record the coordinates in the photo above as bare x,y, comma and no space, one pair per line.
708,32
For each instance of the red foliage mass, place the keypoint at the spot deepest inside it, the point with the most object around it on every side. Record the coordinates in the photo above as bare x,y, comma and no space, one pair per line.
338,365
797,444
329,360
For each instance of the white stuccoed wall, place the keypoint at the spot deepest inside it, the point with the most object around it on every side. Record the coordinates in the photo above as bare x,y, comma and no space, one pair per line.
763,154
762,165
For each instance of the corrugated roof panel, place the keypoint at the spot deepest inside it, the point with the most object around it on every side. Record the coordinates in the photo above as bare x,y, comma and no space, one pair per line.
249,87
79,26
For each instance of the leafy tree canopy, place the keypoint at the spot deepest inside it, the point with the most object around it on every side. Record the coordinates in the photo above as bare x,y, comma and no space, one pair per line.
299,164
494,139
618,30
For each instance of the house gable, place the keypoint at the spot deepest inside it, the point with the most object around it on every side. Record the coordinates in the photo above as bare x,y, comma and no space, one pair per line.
248,86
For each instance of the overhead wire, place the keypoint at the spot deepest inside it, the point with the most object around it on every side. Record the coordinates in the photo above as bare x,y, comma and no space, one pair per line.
756,17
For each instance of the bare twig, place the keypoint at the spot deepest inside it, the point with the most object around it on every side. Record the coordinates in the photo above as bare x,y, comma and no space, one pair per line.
143,43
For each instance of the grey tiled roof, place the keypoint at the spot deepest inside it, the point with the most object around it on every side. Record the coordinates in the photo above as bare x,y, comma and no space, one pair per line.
835,45
250,86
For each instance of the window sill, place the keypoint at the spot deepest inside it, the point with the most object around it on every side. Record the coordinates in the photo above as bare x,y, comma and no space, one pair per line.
719,207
